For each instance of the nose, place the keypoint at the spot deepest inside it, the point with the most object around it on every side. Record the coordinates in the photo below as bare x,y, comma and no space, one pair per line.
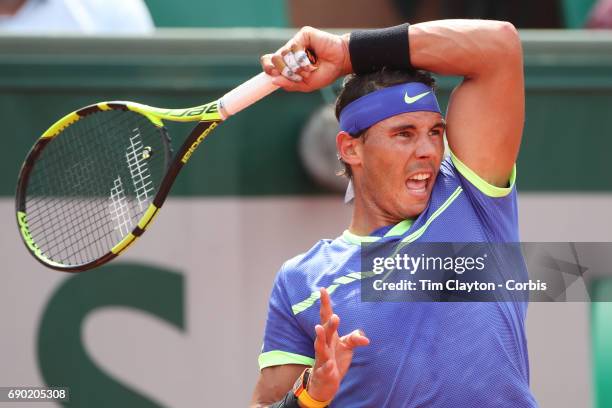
426,147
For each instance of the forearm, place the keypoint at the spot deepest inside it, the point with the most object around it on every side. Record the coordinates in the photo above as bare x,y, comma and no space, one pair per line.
468,48
274,383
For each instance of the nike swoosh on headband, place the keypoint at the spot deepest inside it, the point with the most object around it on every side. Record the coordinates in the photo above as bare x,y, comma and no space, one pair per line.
412,99
383,103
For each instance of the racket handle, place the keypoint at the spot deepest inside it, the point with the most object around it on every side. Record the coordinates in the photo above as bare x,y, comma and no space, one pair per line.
246,94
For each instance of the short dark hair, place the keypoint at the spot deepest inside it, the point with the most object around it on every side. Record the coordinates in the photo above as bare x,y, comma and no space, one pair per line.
355,86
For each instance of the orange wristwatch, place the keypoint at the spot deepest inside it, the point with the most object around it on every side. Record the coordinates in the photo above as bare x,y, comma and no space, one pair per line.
300,390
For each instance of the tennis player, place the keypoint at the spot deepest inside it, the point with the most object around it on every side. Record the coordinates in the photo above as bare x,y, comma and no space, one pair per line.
391,140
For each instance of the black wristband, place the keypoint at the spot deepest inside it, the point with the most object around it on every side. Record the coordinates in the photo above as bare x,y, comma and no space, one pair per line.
288,401
371,50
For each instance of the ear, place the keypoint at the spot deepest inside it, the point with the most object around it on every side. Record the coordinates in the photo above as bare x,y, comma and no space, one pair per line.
348,148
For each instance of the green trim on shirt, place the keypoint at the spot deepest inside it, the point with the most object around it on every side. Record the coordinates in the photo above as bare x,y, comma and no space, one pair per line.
403,226
277,357
416,234
357,240
484,187
400,228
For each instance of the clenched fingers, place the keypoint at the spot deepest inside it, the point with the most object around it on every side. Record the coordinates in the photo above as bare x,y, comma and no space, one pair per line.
281,66
268,66
289,66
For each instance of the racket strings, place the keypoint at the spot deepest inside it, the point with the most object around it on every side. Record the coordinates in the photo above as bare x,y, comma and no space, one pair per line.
89,228
62,211
65,211
79,209
92,184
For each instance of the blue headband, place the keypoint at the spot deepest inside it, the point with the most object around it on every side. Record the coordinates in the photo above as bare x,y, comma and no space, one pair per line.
384,103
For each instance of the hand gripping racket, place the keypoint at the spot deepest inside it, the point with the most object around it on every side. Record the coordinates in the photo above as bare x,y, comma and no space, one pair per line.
94,181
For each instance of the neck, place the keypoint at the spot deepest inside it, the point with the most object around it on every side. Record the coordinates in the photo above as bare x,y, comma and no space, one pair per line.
367,218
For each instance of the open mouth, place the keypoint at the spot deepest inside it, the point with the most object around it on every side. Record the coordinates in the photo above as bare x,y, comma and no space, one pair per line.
418,182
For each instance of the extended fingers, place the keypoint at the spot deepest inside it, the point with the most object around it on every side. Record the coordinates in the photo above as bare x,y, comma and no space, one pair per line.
325,337
325,310
322,352
331,328
356,338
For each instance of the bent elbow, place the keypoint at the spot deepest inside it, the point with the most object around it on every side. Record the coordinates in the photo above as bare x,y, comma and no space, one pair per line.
509,41
501,47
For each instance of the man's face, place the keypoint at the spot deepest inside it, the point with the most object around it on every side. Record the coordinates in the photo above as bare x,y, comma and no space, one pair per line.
399,160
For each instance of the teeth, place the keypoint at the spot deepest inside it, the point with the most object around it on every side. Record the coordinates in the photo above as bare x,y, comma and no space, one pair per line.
420,176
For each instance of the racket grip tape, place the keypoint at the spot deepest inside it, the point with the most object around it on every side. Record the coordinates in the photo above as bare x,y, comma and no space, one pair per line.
246,94
249,92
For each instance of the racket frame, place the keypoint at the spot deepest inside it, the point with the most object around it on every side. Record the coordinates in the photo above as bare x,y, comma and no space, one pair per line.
207,115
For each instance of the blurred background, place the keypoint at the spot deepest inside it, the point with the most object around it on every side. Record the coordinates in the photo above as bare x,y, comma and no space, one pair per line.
178,320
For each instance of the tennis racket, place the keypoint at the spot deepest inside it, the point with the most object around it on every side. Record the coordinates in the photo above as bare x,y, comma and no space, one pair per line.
94,181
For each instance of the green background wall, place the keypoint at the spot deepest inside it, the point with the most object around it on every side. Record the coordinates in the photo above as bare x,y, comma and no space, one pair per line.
568,79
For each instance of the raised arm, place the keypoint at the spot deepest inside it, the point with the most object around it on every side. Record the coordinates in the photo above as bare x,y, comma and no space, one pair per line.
486,111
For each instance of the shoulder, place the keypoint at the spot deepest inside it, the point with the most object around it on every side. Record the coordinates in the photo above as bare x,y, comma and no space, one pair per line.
454,173
322,253
495,208
306,272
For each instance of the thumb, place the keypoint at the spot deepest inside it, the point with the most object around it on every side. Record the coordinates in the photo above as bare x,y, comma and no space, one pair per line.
356,338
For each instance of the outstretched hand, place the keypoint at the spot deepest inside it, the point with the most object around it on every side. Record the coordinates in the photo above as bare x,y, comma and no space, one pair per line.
333,354
293,73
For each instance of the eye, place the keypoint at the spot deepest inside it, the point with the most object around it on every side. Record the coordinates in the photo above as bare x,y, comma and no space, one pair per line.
403,134
435,132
